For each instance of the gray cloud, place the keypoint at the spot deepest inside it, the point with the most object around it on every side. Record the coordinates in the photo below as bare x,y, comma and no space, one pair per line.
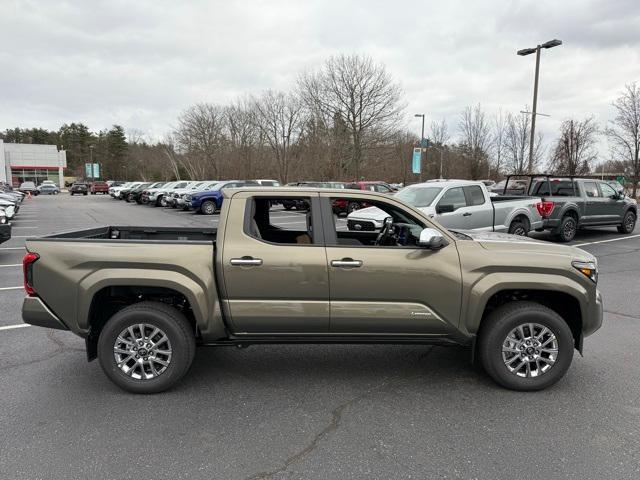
140,63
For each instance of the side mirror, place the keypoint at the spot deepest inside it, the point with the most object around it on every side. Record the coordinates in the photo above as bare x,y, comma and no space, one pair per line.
431,238
445,208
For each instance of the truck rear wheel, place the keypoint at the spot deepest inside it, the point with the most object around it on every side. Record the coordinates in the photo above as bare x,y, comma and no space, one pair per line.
525,346
146,347
567,229
628,222
519,227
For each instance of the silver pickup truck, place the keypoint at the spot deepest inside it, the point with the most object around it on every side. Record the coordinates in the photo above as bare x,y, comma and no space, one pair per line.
460,205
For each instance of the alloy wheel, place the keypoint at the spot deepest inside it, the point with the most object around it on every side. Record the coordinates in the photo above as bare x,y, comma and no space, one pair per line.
530,350
142,351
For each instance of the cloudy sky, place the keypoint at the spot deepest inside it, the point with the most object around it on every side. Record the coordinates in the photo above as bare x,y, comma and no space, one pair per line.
139,63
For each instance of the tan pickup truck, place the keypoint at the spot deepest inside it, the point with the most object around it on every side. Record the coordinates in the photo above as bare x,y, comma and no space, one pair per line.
144,298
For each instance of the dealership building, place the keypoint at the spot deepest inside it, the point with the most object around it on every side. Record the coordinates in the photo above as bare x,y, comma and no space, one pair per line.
22,162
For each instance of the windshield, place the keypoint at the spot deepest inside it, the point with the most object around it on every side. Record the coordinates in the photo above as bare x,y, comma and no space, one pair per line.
419,196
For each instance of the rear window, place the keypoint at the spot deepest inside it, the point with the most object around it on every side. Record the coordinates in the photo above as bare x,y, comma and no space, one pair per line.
559,188
474,195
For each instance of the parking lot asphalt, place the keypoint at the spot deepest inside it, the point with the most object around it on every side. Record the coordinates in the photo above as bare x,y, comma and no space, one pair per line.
312,412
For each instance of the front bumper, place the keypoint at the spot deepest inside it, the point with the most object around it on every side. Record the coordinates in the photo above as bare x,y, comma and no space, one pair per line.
35,312
593,319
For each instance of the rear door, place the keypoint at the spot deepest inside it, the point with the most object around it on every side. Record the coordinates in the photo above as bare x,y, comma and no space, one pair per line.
592,205
274,266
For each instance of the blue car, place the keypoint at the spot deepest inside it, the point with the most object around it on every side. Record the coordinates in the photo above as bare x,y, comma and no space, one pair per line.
209,201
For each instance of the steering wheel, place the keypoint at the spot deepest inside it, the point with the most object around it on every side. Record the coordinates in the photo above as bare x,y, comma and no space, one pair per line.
385,231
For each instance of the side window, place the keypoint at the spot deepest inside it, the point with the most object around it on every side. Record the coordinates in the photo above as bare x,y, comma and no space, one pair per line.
607,190
474,195
272,220
359,223
382,189
591,189
452,200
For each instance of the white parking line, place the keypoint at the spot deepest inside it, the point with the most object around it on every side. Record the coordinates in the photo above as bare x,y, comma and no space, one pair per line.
11,288
12,327
12,248
12,265
15,226
606,241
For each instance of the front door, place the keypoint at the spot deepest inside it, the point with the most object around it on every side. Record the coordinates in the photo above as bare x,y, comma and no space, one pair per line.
275,267
611,207
390,289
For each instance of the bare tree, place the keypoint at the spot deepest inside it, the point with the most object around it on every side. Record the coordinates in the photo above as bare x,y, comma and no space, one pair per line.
439,132
624,131
279,118
243,136
517,145
575,149
475,135
358,93
200,137
498,141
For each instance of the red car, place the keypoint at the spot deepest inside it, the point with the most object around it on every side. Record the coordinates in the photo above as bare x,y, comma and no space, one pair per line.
99,187
343,207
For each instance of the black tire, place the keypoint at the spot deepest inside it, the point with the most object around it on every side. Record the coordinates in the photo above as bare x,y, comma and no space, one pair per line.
567,229
288,207
628,222
93,193
208,207
519,227
501,322
130,198
85,193
71,193
172,322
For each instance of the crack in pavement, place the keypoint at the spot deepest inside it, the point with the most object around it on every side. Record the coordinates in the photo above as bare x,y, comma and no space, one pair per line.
334,424
620,314
61,347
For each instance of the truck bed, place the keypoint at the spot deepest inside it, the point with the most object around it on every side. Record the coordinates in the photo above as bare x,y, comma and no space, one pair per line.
139,233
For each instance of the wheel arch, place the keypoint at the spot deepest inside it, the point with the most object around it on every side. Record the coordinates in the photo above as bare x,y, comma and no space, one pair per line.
562,296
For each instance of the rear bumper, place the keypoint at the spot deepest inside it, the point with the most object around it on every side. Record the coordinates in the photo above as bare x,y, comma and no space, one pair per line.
35,312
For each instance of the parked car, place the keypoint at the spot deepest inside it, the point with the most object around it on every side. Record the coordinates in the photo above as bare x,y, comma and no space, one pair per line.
5,226
143,309
46,182
49,189
460,205
99,187
577,202
10,207
209,201
268,183
28,187
342,207
79,188
157,196
123,193
171,199
114,191
138,194
129,194
181,201
513,187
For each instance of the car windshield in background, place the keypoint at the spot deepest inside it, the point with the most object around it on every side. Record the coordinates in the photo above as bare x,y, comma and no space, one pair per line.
419,196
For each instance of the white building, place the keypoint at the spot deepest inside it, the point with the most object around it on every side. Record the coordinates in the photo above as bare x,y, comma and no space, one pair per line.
22,162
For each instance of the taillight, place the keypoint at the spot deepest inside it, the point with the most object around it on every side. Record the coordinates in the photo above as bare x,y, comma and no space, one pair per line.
545,208
27,270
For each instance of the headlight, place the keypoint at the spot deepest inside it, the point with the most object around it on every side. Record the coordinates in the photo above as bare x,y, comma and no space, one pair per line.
588,269
3,220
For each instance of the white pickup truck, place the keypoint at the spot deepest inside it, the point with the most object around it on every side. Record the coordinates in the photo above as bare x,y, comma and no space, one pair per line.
461,205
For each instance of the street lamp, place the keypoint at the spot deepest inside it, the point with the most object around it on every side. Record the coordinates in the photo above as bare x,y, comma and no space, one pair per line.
528,51
421,141
438,149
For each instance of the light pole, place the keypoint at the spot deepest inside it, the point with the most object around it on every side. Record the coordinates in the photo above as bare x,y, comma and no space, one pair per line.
421,142
522,53
441,152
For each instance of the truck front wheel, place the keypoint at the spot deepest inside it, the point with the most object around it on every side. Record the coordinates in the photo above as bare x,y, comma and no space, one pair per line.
146,347
525,346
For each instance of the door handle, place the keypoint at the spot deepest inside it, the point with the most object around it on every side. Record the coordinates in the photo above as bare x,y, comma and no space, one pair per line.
246,261
346,263
467,214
